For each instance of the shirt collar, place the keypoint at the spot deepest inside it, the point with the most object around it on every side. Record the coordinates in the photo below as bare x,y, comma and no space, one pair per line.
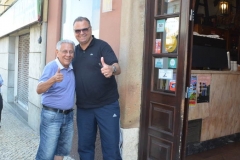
61,66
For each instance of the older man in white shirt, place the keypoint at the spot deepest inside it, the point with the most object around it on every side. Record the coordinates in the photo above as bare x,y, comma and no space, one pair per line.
1,101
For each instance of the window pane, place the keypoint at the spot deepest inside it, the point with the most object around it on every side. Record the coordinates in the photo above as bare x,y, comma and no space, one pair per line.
165,74
166,38
168,7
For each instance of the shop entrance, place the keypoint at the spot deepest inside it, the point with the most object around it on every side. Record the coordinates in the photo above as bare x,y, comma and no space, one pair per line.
168,72
216,37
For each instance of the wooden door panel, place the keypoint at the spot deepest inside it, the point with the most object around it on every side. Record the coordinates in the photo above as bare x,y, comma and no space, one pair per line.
162,118
159,149
169,99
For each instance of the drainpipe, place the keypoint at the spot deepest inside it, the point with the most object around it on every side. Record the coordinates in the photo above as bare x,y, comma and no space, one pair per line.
44,45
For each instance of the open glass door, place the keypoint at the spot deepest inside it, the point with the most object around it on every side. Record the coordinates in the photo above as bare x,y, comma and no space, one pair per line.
164,79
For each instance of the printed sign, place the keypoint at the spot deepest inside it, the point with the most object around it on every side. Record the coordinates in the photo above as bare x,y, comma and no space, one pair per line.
192,93
160,25
172,62
203,88
158,63
165,74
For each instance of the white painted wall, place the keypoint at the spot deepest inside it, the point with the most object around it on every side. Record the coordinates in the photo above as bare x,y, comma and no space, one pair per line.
74,9
9,68
35,71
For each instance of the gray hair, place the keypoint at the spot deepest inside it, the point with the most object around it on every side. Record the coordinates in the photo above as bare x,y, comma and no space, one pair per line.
59,44
82,19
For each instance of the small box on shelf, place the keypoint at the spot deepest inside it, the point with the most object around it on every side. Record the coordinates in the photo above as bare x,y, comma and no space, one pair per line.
158,46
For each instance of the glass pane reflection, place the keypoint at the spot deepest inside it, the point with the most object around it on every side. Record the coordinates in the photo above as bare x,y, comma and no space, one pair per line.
168,7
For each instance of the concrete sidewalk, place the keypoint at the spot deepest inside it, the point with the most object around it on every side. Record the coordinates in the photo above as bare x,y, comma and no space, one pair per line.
17,140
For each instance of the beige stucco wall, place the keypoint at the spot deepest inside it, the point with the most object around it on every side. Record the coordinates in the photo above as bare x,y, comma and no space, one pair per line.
109,27
131,61
53,28
123,29
130,80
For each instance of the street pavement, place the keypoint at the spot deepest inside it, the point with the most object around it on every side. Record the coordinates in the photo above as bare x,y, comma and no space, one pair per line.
17,140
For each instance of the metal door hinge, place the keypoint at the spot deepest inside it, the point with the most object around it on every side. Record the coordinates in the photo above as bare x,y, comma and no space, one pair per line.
192,15
189,91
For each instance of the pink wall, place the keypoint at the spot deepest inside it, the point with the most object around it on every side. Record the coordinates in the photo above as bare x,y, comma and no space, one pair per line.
54,28
110,22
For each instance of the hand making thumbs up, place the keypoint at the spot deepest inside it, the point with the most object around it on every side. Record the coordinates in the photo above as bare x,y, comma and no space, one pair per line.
58,76
106,69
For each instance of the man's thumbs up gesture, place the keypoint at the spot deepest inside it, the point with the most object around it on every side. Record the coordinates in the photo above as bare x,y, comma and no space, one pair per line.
106,70
44,86
58,76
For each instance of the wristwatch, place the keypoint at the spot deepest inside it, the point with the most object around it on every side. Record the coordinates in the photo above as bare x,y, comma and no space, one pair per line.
114,69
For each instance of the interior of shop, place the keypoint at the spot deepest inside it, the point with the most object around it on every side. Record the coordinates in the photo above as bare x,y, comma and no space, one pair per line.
215,108
216,31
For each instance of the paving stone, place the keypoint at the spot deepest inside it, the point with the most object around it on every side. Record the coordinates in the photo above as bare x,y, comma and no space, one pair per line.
17,140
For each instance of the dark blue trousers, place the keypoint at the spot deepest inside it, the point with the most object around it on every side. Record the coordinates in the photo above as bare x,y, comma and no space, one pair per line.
107,119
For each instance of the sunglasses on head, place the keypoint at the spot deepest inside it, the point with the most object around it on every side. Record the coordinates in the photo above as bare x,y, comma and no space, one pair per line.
84,30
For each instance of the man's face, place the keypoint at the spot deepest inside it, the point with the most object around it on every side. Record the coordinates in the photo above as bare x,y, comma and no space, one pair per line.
82,31
65,54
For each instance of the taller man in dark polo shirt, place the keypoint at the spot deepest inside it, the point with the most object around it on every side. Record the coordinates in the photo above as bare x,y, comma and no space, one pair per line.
95,66
57,86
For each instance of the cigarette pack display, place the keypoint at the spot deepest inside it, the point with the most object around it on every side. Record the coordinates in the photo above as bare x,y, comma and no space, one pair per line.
172,85
158,46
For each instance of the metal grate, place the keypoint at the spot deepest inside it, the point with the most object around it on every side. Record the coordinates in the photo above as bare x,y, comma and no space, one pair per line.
23,65
194,131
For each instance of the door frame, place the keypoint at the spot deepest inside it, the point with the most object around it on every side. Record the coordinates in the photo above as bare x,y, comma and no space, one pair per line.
188,81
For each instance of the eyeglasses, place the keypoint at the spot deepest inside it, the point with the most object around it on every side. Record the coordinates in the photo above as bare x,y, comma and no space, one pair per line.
84,30
65,52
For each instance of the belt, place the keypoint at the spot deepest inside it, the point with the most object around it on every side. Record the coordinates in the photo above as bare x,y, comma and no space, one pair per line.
57,110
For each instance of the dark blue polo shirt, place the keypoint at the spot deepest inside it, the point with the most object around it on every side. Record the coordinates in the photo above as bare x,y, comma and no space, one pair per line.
93,89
